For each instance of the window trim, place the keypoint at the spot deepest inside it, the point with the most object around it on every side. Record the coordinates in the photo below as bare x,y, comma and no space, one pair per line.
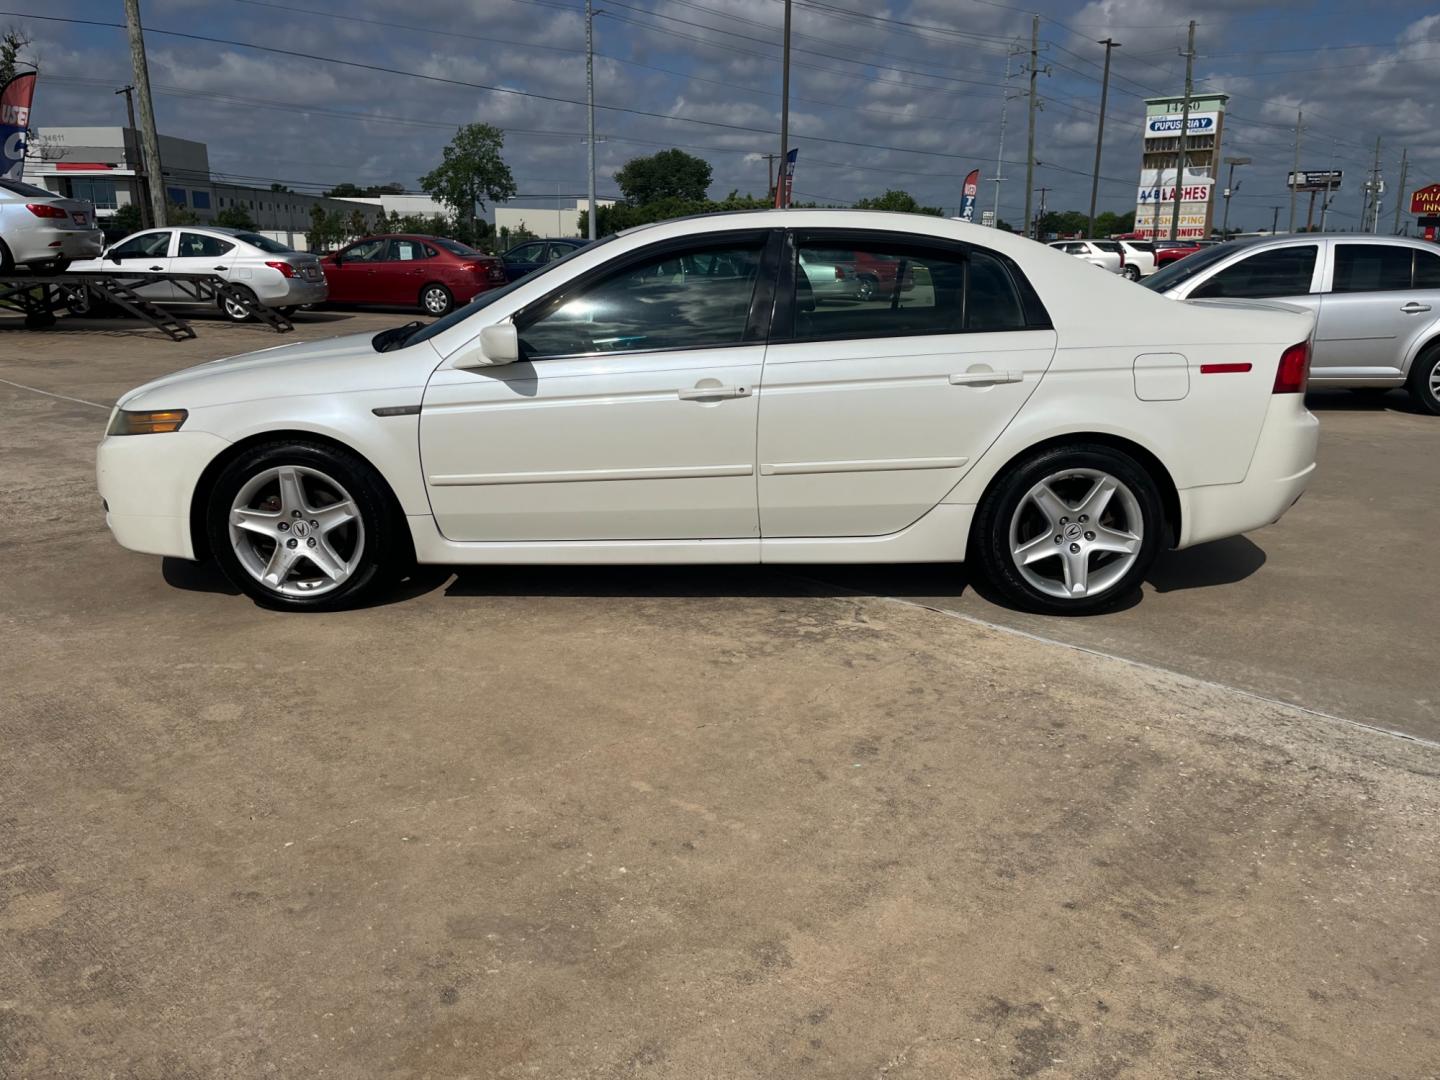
1318,273
181,233
757,321
782,322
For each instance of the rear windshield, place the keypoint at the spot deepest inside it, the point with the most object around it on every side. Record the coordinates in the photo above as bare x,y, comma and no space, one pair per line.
1141,245
264,243
1106,245
454,246
30,191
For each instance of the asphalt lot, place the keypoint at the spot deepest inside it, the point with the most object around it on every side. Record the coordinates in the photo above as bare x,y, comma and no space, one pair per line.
711,824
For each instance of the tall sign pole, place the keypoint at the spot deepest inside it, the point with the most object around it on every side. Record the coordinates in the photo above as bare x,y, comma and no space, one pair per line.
1100,131
1184,133
1030,229
1375,196
594,210
1400,191
149,140
1295,172
784,109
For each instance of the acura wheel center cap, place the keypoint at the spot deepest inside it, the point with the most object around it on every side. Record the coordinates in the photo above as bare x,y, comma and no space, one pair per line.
299,528
1072,532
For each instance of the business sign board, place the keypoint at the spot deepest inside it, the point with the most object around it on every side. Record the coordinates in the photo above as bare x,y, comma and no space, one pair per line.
1153,222
1167,126
1426,200
987,218
1315,180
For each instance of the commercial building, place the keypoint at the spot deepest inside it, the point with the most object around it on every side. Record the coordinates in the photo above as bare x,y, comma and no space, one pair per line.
555,221
1160,168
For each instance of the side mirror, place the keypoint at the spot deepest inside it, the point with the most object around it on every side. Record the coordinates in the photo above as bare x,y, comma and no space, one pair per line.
499,344
113,256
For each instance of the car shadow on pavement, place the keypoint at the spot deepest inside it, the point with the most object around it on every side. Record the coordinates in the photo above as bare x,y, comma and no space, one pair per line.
1220,562
1395,399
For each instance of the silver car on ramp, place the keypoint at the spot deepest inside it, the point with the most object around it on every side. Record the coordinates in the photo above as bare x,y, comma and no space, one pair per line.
44,231
1377,299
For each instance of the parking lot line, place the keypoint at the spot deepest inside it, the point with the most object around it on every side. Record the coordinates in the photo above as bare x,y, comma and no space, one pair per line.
50,393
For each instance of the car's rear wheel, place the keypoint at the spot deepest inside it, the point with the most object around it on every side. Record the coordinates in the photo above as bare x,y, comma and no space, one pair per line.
1070,530
49,267
1425,380
436,299
866,286
1132,272
239,309
7,261
302,526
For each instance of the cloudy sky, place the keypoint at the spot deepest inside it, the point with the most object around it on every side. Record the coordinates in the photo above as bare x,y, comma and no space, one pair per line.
904,94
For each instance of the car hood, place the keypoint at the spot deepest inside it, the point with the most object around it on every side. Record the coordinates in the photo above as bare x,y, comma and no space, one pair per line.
337,365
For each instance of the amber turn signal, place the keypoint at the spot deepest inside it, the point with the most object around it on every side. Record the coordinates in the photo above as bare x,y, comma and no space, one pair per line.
125,422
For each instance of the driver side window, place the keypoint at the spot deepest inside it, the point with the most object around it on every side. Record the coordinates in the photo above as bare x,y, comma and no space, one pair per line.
684,299
154,245
365,251
1284,271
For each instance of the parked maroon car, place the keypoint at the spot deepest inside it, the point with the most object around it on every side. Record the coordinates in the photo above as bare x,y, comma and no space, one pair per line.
430,272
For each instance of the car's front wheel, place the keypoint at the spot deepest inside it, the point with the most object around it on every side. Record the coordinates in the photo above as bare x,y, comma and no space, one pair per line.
1132,272
1070,530
302,526
1425,380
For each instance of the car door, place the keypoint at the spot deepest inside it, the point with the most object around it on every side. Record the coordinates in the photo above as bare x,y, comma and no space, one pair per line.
399,273
1289,272
1368,311
201,253
351,277
631,414
148,253
870,413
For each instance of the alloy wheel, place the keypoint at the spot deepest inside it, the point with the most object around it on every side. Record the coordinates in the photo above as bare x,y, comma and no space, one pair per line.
436,300
296,531
1076,533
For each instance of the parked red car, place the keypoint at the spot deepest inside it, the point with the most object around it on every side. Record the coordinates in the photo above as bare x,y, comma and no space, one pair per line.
430,272
1168,251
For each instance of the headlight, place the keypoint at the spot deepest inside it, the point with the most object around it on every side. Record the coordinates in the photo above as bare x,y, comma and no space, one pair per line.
126,422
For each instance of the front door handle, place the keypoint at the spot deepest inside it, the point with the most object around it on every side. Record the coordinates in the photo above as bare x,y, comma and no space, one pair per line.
984,378
712,393
157,268
219,269
1412,308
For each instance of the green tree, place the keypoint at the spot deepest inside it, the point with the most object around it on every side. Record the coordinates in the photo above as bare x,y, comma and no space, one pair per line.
899,201
471,173
1064,223
235,217
127,219
670,174
181,215
1109,223
12,43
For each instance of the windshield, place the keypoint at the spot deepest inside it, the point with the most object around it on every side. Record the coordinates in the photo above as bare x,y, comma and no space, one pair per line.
1184,269
30,191
454,246
485,299
264,243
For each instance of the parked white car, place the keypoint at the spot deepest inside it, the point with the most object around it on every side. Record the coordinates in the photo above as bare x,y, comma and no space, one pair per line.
279,276
44,231
1106,254
996,402
1139,258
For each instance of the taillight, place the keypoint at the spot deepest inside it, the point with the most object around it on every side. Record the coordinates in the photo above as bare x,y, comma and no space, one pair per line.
1294,369
1122,256
285,268
44,210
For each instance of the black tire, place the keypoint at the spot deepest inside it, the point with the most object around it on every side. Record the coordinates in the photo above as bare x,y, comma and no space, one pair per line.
234,311
1425,380
50,267
1132,272
991,540
376,551
39,320
435,299
7,261
288,310
866,286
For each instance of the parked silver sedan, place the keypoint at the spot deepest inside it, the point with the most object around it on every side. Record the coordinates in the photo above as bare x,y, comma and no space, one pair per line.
277,275
1377,299
44,231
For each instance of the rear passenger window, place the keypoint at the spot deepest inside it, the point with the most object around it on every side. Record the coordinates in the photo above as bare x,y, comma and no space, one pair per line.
1427,270
877,290
1371,268
1281,272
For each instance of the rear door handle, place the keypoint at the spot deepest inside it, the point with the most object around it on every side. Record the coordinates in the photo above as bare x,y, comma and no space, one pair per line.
984,378
157,268
1413,308
712,393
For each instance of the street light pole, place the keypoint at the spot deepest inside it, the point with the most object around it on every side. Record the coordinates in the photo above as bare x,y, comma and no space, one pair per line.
781,195
1230,187
1184,134
593,210
1100,130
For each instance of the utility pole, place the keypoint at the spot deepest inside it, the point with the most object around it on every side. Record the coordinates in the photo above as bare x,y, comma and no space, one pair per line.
1040,214
1375,188
149,141
1100,132
1274,220
1184,132
1295,172
1400,191
999,176
1325,203
1230,188
594,211
784,112
770,175
1030,151
141,194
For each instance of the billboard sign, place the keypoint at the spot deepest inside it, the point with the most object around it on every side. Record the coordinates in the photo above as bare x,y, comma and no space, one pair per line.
15,98
1315,180
1167,125
1426,200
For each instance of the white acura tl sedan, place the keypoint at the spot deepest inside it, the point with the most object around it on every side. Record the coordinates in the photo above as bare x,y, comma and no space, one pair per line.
674,394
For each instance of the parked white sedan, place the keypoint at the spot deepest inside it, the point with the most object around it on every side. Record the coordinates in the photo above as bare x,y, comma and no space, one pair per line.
675,395
260,267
